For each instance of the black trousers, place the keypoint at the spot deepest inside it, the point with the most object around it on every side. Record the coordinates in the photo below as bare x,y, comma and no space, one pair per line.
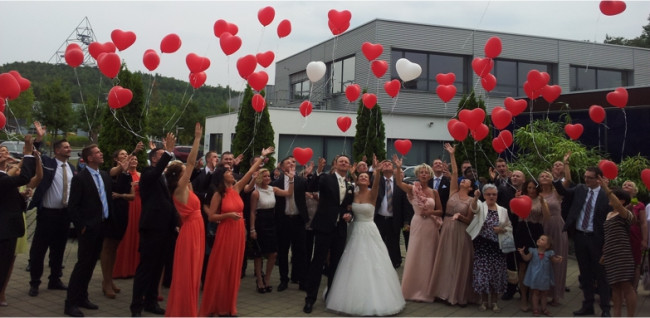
588,252
89,248
291,234
52,226
325,243
154,248
390,235
7,253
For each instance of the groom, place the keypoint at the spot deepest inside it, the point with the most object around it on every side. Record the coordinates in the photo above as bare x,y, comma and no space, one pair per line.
330,226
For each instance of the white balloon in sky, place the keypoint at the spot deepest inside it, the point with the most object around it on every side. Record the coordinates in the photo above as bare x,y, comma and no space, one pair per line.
407,70
316,71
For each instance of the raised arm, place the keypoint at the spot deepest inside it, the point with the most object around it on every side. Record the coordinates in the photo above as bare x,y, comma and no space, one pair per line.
191,159
254,167
286,192
546,212
567,171
255,196
453,183
399,176
614,202
374,191
36,179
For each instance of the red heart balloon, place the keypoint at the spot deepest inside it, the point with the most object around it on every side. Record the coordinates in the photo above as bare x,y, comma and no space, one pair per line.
197,79
258,103
472,118
609,169
645,177
451,123
265,59
352,92
197,63
551,92
521,206
284,28
501,118
506,137
258,80
480,132
302,155
369,100
618,97
170,43
489,82
96,48
458,130
74,57
9,87
371,51
122,39
344,123
492,47
229,43
266,15
22,82
403,146
392,87
612,7
223,26
119,97
515,106
246,65
446,92
109,64
151,60
445,78
3,120
482,66
536,80
339,21
530,92
305,108
73,46
597,113
379,68
574,131
498,145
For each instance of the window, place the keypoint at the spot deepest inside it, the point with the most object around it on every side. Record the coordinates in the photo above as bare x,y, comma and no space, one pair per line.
216,142
432,64
342,74
300,86
511,76
582,78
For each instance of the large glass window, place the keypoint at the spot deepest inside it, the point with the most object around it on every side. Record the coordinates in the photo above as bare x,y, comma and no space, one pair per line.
432,64
300,86
511,76
342,74
582,78
216,142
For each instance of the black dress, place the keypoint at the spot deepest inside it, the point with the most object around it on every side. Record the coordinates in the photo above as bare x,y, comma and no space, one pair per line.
119,219
617,251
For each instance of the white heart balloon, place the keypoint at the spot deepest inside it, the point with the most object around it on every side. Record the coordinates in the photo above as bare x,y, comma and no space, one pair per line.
316,71
407,70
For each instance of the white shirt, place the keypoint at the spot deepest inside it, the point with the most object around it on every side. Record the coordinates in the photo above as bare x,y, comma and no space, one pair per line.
383,209
290,206
53,197
342,187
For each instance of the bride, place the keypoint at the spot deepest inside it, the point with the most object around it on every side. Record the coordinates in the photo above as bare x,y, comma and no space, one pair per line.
365,283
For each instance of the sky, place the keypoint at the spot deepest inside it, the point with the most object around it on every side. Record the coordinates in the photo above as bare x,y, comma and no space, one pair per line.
34,31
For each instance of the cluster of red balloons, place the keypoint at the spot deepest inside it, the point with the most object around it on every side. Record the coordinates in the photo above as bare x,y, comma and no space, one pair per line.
483,66
11,85
338,21
446,89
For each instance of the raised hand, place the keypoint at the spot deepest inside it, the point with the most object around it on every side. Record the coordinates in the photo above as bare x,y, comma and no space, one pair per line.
267,151
29,146
40,131
566,157
321,164
309,168
397,161
124,164
138,147
169,142
450,149
198,131
493,174
375,163
238,159
152,146
477,194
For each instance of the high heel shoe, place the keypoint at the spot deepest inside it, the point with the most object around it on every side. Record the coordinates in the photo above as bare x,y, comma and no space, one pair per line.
109,294
116,289
262,289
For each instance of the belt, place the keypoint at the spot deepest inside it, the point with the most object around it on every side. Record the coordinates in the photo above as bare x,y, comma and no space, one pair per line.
385,217
54,210
292,216
584,233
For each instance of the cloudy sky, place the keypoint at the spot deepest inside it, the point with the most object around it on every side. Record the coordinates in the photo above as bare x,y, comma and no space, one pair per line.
34,31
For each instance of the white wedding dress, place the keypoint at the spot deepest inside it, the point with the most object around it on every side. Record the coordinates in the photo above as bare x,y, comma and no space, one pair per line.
365,282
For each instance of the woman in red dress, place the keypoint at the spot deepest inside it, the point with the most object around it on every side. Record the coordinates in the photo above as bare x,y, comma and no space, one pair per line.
190,244
223,275
128,257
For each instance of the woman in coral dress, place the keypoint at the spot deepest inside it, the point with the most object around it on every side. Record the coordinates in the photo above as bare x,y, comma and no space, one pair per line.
128,257
223,275
190,244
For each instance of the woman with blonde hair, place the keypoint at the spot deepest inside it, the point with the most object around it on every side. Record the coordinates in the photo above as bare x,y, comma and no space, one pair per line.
638,228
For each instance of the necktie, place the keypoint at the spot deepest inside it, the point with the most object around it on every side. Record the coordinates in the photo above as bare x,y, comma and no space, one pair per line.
588,208
389,197
436,183
102,194
64,200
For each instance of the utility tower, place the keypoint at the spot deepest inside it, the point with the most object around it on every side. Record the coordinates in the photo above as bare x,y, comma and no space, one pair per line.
83,35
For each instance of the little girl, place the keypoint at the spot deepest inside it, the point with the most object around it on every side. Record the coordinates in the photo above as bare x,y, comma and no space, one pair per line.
539,276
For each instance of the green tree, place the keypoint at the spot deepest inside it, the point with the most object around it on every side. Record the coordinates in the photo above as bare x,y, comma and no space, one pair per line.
120,126
54,109
253,132
480,154
642,40
21,107
370,136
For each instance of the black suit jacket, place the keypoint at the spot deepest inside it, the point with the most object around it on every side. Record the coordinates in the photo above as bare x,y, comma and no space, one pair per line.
329,209
299,188
201,186
158,211
84,205
443,191
400,204
49,169
600,210
13,203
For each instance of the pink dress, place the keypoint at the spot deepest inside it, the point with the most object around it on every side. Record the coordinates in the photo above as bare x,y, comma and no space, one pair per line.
553,228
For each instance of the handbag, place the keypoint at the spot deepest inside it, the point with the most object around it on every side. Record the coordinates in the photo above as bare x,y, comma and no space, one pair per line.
513,276
507,243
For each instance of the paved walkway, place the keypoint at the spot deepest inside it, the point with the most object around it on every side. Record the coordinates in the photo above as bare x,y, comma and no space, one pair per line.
288,303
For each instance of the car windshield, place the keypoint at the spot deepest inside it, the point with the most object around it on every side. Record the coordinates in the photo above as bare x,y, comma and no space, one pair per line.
14,146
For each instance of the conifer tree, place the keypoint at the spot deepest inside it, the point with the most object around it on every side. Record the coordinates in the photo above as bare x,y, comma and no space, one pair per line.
252,133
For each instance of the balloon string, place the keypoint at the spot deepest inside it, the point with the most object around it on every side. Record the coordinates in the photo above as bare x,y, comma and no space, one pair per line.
593,46
532,131
467,156
145,110
83,103
477,25
113,111
256,120
16,118
184,108
175,111
624,134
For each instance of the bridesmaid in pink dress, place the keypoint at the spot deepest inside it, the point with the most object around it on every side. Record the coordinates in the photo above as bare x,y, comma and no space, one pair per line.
425,226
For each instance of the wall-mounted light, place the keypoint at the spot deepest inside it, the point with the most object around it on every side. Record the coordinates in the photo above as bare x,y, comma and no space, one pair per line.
430,124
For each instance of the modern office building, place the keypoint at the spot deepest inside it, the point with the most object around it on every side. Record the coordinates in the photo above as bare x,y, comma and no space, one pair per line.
580,68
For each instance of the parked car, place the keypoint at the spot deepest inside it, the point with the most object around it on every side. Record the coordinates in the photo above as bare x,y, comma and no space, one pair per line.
409,174
15,148
181,153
